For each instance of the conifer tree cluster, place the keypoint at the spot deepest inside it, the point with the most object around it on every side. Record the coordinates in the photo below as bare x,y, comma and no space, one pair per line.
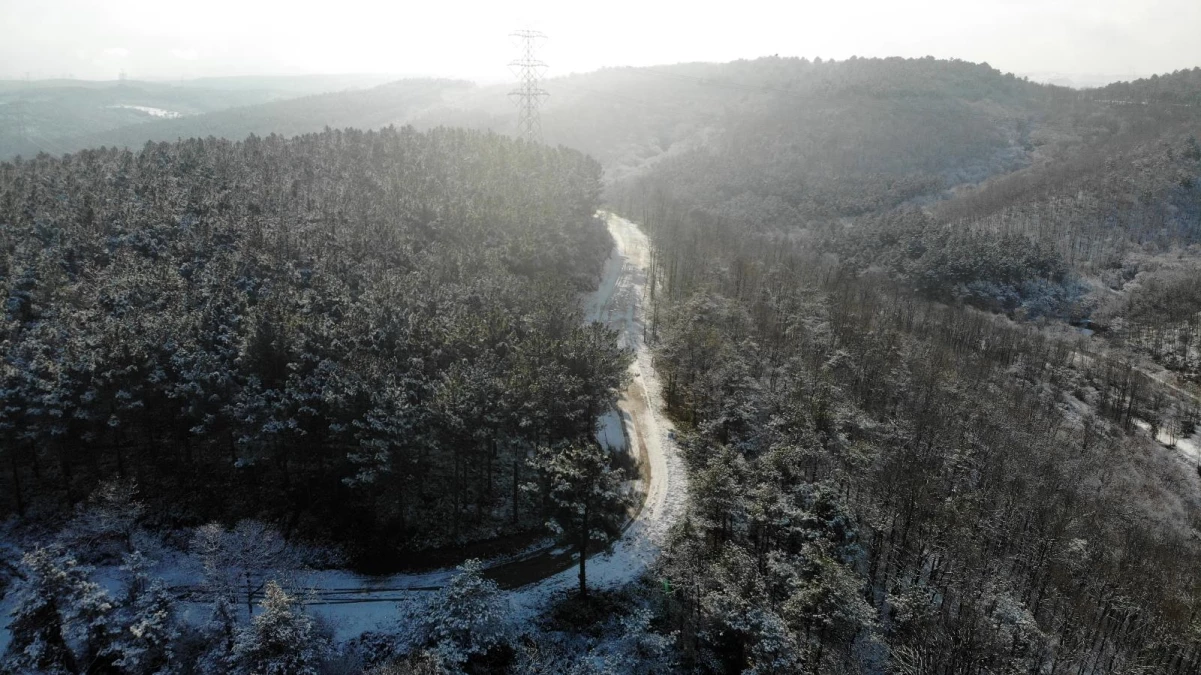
359,336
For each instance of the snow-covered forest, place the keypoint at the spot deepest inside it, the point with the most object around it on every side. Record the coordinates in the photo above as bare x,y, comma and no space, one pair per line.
358,336
773,366
907,451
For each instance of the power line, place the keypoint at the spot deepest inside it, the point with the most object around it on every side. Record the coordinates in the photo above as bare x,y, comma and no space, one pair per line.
529,92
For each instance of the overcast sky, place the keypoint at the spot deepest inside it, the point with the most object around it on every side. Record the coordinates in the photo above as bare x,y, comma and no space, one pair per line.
170,39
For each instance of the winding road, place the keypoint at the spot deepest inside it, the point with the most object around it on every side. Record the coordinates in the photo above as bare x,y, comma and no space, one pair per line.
356,603
353,604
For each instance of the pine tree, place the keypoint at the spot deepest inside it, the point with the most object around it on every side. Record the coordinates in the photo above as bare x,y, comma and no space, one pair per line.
218,635
194,341
147,627
56,607
588,503
281,640
468,617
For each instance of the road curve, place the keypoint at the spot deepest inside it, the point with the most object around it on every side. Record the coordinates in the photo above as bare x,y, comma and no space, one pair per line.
356,603
619,303
353,603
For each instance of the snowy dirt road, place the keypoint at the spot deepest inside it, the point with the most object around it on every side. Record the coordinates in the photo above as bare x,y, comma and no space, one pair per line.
619,303
354,603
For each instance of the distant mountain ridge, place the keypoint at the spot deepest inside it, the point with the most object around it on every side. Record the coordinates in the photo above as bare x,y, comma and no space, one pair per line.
938,123
373,108
40,115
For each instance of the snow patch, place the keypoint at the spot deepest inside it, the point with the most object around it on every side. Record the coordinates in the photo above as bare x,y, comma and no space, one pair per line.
611,433
153,112
1189,446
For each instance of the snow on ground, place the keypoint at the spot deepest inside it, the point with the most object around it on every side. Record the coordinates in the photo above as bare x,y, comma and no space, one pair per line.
668,489
651,433
153,112
618,302
596,302
353,603
611,433
1190,446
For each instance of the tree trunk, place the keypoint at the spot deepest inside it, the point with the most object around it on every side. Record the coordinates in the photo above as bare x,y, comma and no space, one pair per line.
249,599
16,471
516,483
584,554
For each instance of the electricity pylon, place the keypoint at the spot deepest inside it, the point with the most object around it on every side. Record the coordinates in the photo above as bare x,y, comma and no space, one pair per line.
529,92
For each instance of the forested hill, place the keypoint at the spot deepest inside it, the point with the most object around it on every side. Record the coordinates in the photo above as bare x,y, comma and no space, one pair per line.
937,115
45,115
958,181
811,142
820,140
899,128
352,334
896,128
374,108
902,458
629,118
1182,87
929,336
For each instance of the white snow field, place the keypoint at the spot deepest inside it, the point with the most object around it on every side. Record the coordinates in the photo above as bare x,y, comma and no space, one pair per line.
153,112
1190,448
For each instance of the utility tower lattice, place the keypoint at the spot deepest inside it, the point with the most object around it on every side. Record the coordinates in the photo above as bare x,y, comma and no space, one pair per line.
529,92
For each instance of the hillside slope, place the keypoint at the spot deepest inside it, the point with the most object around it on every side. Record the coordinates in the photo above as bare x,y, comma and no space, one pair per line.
366,109
352,334
42,115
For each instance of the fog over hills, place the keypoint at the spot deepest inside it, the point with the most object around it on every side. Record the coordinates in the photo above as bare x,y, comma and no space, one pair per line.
40,115
632,117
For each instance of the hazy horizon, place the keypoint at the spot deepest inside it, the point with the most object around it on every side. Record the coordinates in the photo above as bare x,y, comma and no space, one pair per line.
1077,80
1064,41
